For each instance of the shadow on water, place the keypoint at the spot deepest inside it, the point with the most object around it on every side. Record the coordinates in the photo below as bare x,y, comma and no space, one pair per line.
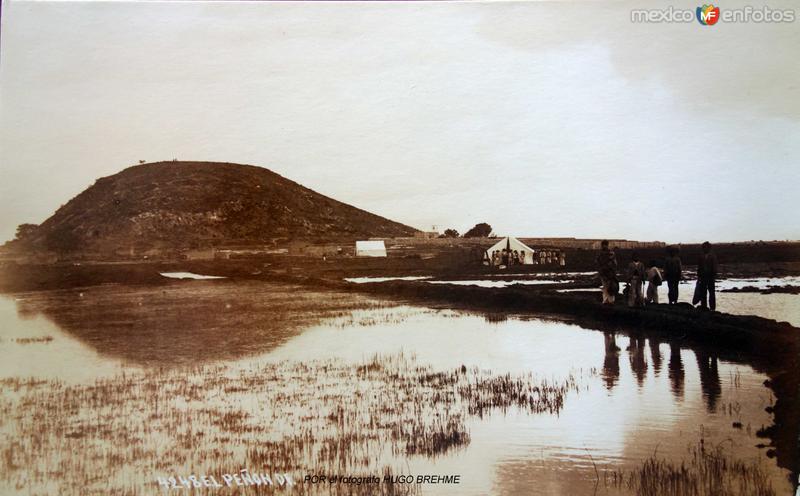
709,378
677,373
707,365
638,362
611,362
781,368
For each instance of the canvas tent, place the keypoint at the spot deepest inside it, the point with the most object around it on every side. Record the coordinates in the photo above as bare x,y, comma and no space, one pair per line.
510,243
370,249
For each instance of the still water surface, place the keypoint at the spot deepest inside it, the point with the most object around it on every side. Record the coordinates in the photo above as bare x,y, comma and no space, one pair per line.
782,307
646,397
638,396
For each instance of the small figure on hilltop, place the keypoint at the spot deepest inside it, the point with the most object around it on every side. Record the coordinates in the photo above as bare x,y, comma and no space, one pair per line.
607,270
636,278
704,292
654,280
672,273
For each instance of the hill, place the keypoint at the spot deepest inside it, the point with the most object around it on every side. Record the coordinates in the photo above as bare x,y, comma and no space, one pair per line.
177,205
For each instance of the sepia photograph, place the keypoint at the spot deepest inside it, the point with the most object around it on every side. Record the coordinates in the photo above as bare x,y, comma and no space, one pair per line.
436,247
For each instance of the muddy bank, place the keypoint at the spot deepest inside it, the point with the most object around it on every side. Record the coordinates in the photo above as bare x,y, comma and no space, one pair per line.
749,333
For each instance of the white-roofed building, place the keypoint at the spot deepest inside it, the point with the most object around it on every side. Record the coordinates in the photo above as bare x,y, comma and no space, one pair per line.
370,249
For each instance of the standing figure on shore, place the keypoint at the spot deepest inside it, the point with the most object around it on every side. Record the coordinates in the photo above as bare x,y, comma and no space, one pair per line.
704,292
672,273
607,270
636,278
654,280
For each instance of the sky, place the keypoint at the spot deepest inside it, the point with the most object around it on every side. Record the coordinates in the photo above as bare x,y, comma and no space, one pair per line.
540,118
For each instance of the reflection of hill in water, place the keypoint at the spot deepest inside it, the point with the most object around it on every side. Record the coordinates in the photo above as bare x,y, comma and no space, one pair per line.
188,322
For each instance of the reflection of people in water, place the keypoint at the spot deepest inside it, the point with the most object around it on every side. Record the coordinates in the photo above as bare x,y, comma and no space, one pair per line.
676,372
611,361
709,379
655,355
636,356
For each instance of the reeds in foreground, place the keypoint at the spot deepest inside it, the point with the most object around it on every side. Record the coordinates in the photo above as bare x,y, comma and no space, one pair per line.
707,472
118,434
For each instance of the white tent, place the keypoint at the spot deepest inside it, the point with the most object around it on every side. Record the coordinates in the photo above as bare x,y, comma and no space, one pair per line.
512,244
370,249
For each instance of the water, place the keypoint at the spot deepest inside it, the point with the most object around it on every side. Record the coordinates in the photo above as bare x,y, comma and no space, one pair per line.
782,307
759,282
645,397
501,280
188,275
483,283
361,280
542,275
652,397
778,306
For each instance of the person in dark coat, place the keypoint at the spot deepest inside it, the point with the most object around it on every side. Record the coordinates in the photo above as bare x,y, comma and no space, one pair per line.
672,273
607,270
704,292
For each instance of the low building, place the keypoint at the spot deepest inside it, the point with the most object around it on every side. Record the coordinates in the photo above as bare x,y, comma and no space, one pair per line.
426,234
370,249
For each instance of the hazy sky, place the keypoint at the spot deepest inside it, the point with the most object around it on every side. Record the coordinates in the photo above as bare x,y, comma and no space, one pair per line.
543,119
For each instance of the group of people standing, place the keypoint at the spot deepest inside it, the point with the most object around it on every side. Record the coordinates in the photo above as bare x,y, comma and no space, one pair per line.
547,257
508,257
638,274
518,257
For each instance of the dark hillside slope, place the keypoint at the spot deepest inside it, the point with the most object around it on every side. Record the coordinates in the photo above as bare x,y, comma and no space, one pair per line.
175,205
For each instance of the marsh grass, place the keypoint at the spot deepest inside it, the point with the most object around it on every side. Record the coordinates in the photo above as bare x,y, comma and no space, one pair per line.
708,471
118,434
